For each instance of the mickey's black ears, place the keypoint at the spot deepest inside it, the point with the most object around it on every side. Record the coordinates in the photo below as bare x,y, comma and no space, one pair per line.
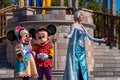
52,29
11,35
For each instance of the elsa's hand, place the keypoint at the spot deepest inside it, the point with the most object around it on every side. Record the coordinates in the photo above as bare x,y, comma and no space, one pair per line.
64,36
104,39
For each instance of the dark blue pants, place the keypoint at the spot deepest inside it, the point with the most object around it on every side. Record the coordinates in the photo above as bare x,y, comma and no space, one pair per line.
44,70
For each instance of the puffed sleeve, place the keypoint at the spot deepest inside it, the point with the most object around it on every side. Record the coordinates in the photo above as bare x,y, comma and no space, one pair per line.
51,55
18,51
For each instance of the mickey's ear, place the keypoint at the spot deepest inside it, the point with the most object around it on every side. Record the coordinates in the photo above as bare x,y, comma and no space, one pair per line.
52,29
11,35
32,32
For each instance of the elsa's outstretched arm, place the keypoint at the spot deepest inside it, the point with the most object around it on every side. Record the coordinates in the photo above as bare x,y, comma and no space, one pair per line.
70,33
93,39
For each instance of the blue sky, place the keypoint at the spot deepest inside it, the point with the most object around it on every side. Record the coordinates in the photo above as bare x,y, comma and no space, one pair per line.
117,4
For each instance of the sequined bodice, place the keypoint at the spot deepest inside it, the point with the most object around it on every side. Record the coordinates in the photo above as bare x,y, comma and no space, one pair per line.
80,37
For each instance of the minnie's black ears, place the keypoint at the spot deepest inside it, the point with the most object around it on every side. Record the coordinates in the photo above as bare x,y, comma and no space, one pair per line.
32,32
11,35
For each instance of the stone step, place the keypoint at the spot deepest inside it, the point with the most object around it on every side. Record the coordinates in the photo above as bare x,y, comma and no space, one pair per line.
105,78
107,65
58,72
107,53
3,47
8,79
106,57
106,69
54,77
9,73
55,72
104,47
100,44
6,73
105,73
7,65
110,61
2,50
101,47
3,57
6,76
60,78
2,53
3,61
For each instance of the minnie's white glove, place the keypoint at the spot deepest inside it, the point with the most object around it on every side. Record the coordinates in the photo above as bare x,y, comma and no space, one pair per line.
24,52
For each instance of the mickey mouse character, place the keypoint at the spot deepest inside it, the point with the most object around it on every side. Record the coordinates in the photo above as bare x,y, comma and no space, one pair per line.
25,64
44,53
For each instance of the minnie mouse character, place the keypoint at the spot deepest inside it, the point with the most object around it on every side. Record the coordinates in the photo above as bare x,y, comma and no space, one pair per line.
44,53
25,65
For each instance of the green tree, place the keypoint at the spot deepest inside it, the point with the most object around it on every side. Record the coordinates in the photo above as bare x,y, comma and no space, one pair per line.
54,2
4,3
82,3
65,2
95,6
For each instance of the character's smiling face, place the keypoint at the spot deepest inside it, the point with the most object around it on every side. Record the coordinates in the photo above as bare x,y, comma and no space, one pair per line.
42,36
25,37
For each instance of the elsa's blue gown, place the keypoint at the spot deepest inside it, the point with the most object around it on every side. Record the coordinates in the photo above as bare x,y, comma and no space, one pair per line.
76,67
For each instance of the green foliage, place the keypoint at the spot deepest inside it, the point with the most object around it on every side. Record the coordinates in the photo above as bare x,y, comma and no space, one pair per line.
118,32
4,3
65,2
54,2
91,4
94,6
82,3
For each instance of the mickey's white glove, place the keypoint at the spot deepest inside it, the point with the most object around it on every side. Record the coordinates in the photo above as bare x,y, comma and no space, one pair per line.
45,56
39,55
42,56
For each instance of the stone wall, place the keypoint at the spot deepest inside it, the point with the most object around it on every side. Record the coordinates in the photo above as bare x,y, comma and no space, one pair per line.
62,23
